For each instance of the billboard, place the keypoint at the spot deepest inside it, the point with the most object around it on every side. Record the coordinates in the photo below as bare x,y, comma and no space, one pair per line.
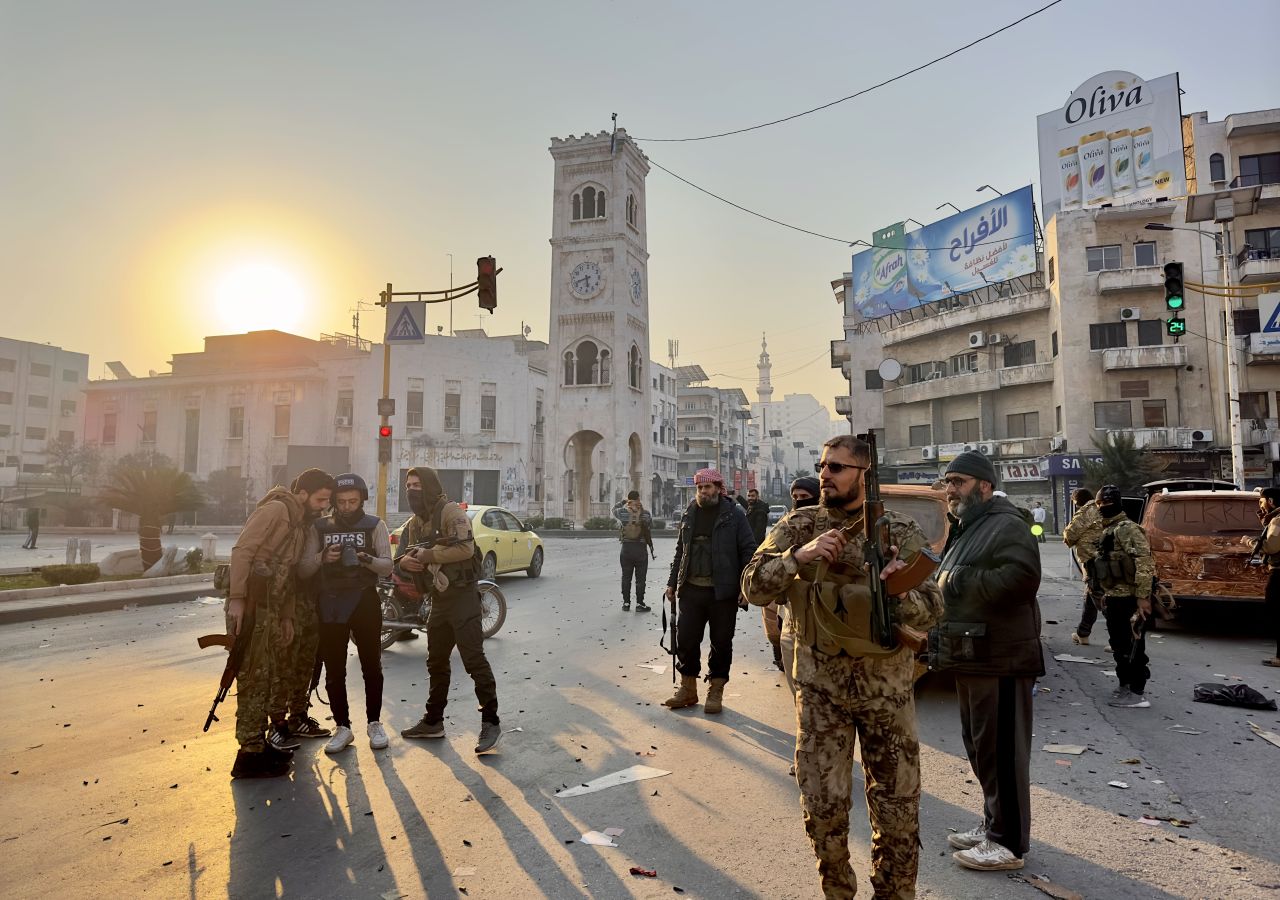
987,244
1118,139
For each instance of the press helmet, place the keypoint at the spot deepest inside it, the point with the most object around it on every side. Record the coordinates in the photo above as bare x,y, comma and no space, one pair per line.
352,482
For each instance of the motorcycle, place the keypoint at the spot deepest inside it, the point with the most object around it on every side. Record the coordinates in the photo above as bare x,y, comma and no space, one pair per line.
402,614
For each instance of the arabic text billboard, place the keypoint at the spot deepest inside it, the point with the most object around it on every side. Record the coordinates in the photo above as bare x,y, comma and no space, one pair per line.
1118,139
987,244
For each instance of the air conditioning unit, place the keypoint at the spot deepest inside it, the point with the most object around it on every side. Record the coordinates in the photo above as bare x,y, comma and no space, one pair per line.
1130,313
928,452
987,449
968,447
1057,442
1202,435
977,339
997,338
342,421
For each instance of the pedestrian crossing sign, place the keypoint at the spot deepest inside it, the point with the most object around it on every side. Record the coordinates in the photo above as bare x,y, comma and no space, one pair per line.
406,322
1269,313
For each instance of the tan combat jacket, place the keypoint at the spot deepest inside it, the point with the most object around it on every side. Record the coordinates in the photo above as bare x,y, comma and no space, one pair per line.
1083,533
274,533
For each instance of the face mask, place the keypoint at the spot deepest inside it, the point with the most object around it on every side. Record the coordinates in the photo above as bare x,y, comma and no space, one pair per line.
1111,509
418,503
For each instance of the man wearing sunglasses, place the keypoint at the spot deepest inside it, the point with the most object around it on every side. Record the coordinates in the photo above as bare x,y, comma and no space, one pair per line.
990,638
849,688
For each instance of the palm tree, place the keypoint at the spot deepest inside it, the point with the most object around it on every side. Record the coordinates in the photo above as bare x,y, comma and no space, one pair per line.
151,493
1122,464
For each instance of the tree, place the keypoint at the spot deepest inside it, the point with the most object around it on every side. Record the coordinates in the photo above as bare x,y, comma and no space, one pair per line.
151,493
69,465
1122,464
228,494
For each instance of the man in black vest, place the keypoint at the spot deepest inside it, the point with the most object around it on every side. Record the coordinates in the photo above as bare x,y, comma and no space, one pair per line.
351,550
455,610
637,546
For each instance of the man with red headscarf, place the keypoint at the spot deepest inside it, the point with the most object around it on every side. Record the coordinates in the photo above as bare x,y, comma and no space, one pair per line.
713,546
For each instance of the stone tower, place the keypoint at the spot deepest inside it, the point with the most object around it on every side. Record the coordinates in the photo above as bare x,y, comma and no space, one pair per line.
598,430
764,390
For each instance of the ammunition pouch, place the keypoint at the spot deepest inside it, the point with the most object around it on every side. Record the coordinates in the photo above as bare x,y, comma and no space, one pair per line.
833,614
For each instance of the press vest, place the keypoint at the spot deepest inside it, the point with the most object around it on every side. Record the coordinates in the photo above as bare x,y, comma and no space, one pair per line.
341,587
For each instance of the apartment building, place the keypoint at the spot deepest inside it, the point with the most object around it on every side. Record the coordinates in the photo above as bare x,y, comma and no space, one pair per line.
664,452
712,431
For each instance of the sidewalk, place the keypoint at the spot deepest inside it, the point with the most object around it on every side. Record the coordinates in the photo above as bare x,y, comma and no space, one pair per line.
50,603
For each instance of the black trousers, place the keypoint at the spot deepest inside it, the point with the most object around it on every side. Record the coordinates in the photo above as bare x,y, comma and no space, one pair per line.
635,560
995,721
1273,605
1132,675
365,628
455,622
698,609
1088,615
33,534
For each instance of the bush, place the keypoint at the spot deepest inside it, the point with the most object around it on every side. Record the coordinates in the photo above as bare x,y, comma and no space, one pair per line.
602,523
194,560
81,573
533,523
553,523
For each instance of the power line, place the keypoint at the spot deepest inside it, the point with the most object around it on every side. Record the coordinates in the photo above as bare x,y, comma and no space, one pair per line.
819,234
866,90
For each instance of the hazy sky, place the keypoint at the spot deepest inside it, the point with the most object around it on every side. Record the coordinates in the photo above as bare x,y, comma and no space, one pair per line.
152,150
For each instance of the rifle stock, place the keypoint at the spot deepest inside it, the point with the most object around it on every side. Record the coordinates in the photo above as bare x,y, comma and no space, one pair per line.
259,588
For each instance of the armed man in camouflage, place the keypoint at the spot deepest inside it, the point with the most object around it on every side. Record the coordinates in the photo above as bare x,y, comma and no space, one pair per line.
1083,534
1124,572
849,687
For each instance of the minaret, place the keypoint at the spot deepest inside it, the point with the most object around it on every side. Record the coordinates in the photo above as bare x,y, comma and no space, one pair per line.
764,390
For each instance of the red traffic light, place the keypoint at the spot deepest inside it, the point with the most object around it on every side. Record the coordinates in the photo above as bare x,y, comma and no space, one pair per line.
487,282
384,431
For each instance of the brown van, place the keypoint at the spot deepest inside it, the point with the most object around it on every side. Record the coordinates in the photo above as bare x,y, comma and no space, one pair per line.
1195,538
926,505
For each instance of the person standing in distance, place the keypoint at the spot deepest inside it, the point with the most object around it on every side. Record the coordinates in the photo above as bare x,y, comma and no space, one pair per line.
351,550
1125,573
455,618
1083,534
268,549
636,538
33,528
851,689
1268,547
990,638
713,546
1038,516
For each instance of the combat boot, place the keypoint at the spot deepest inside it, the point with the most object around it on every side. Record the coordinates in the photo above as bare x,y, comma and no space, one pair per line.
685,695
263,764
715,696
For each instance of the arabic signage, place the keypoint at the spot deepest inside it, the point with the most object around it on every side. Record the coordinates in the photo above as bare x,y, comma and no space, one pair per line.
917,476
1069,465
1118,139
1023,470
984,245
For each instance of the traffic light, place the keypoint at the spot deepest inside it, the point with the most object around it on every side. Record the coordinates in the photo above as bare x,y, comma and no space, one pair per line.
384,443
487,280
1173,297
1177,325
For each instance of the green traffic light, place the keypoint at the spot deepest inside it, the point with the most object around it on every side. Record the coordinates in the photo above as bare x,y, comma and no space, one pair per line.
1177,326
1174,302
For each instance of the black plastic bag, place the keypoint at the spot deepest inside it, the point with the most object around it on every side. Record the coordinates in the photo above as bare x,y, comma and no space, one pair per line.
1232,695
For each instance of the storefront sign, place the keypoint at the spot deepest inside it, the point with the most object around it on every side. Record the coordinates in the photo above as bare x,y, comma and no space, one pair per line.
1063,464
1023,470
917,476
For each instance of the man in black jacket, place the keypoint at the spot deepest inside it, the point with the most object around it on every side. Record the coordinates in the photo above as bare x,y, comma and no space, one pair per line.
757,516
713,546
990,638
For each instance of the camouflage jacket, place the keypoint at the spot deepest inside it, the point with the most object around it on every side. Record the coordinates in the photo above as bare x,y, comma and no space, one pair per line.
773,567
1083,533
1128,539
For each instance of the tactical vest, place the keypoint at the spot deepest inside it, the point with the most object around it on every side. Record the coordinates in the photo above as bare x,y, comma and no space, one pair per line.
338,578
1112,568
632,529
832,610
460,574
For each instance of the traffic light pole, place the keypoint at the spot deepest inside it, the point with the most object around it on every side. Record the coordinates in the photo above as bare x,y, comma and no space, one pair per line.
1233,362
384,301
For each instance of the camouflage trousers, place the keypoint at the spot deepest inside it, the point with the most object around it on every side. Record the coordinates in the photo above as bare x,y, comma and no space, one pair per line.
842,700
254,680
291,687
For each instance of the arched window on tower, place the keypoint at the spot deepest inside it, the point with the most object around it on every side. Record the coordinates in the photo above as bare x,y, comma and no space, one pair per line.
577,207
588,364
1217,169
606,376
631,210
588,204
568,367
633,367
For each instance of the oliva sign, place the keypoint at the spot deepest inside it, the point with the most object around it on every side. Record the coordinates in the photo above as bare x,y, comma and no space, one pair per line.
1105,94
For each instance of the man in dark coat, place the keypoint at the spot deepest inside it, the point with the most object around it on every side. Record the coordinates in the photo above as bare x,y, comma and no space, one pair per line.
990,638
757,515
714,545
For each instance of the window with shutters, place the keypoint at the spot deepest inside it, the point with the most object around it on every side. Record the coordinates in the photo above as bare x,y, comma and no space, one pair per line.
1023,425
1111,414
1104,335
1153,414
1135,389
1150,332
964,430
919,435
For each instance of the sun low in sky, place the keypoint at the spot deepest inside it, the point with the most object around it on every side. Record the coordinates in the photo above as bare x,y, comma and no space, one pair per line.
257,294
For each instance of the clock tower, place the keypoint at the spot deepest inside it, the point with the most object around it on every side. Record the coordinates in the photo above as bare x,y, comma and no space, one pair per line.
598,419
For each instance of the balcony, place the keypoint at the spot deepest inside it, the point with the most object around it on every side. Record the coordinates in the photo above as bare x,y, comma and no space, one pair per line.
1024,448
1034,373
1162,356
967,316
1143,211
903,456
844,405
1117,281
1259,431
1260,266
1167,438
1264,349
1262,121
947,386
839,354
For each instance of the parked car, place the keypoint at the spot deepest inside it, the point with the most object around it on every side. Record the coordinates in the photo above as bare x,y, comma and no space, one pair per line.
1195,538
776,512
506,543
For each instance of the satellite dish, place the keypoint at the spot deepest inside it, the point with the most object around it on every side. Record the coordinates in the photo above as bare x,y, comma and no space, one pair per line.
890,369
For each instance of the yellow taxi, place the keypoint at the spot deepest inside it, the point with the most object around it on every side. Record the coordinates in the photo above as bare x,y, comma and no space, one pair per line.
505,543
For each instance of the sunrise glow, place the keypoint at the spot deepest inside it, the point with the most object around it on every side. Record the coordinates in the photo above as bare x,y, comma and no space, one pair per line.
259,295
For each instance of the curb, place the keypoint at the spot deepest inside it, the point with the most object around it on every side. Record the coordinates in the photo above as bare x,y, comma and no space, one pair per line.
32,610
102,587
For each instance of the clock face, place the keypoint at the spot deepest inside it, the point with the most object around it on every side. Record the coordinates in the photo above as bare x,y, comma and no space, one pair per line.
637,285
585,279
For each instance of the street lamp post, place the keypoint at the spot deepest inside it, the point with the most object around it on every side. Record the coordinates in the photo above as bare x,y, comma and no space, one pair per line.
798,445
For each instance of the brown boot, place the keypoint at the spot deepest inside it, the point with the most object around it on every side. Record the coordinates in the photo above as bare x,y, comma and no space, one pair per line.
685,695
715,696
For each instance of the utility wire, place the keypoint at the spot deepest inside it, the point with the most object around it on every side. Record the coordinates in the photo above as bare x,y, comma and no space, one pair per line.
866,90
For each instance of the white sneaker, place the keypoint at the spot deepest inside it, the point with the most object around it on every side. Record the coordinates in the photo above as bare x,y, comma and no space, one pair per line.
1078,638
965,839
377,736
1127,699
341,740
987,857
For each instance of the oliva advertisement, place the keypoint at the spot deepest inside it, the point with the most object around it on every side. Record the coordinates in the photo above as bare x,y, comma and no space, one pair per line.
1118,140
988,244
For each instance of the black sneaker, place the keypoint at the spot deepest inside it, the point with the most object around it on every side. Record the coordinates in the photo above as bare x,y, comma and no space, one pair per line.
278,736
489,734
641,606
307,727
407,635
626,605
424,729
286,755
263,764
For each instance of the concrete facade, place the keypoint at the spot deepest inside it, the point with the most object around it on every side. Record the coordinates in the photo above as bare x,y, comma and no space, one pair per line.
663,494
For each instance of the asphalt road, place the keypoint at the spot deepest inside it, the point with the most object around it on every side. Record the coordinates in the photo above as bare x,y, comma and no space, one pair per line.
103,725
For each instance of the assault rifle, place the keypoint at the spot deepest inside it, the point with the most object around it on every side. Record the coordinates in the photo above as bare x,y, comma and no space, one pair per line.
875,526
421,581
237,644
